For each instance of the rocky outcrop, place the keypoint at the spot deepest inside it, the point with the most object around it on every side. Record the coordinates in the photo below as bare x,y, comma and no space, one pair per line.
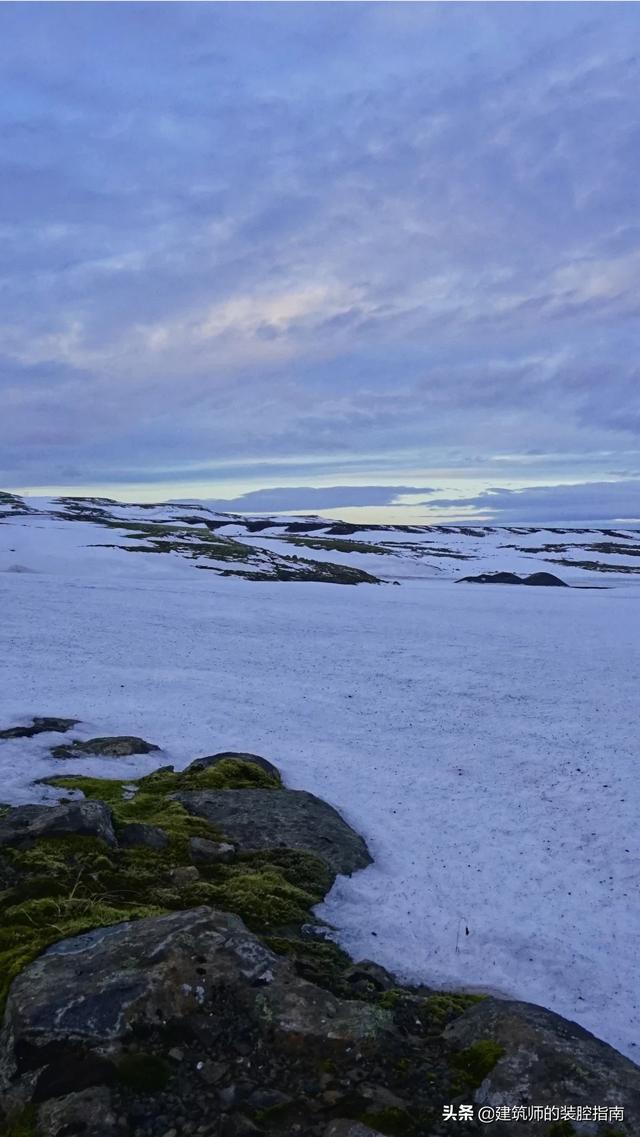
547,1060
540,579
26,823
121,746
87,1112
168,982
39,726
270,819
211,760
99,1009
138,834
211,852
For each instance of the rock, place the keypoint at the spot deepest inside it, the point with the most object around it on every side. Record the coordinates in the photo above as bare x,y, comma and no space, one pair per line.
118,747
536,578
26,823
238,756
72,1011
491,578
88,1112
211,852
367,972
267,1099
545,579
271,819
39,726
547,1060
342,1127
184,874
137,833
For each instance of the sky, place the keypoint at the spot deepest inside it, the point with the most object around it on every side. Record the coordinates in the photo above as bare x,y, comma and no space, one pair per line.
365,260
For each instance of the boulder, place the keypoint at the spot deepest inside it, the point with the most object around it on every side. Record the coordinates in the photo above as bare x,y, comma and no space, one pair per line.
137,833
25,823
88,1112
545,579
271,819
236,755
365,973
72,1013
211,852
117,747
39,726
548,1060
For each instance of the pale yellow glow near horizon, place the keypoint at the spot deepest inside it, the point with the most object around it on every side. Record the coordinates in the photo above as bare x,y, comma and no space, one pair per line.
405,511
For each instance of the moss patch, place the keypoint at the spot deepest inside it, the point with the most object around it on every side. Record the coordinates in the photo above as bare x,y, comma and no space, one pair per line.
66,885
444,1008
473,1064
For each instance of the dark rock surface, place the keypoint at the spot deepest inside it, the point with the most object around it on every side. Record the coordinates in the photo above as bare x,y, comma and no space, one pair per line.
210,852
26,823
545,579
121,746
548,1061
271,819
137,833
214,760
73,1013
367,972
541,579
39,726
88,1112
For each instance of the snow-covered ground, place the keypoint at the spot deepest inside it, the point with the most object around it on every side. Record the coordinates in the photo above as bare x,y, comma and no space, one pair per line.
482,738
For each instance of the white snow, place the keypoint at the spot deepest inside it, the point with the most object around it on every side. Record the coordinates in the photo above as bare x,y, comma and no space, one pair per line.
484,740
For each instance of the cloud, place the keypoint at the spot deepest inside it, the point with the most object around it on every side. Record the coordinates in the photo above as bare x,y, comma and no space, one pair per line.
236,232
310,499
590,503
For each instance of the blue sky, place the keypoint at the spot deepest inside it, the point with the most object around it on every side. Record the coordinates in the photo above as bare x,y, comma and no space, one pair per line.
388,252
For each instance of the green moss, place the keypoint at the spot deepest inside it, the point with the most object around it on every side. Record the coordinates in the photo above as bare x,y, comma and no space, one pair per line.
143,1072
65,885
444,1008
321,962
390,999
392,1121
265,900
473,1064
148,800
302,869
61,886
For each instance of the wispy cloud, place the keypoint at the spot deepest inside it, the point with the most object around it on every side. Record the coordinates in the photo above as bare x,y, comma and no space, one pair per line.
312,499
234,232
594,502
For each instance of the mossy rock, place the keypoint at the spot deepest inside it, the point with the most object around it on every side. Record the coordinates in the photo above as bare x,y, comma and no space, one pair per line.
120,746
473,1064
62,885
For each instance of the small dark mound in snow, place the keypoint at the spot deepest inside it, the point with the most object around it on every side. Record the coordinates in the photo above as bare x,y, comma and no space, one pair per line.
121,746
543,579
40,726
